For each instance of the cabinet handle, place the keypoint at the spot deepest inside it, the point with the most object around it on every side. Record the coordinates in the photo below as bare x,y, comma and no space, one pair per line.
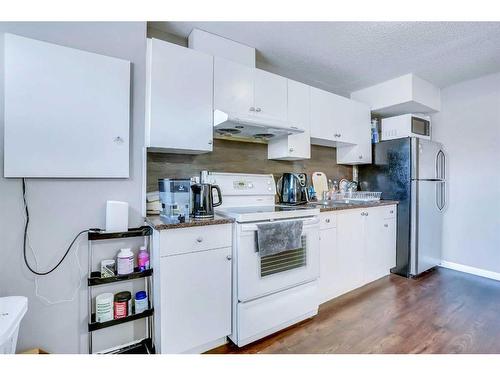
229,257
210,142
291,150
366,213
199,239
258,109
386,225
118,140
327,220
391,211
252,109
360,156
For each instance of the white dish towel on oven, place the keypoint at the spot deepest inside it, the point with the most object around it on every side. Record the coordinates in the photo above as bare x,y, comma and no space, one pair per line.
279,236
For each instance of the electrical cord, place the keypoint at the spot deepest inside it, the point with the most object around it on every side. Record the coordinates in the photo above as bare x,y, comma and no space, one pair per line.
26,226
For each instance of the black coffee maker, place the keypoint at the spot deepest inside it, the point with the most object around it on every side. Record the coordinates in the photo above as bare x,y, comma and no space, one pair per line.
203,201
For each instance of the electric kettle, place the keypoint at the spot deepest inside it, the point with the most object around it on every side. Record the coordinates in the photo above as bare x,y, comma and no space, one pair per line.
292,189
203,199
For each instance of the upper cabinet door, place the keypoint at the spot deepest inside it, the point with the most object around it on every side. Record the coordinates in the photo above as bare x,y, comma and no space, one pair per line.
297,146
180,97
270,95
323,117
298,115
360,133
66,111
233,87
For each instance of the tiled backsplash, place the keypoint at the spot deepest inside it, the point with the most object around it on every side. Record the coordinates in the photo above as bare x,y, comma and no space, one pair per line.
241,157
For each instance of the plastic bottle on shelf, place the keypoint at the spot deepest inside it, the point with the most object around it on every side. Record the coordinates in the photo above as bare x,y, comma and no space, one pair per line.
143,259
141,302
375,135
125,262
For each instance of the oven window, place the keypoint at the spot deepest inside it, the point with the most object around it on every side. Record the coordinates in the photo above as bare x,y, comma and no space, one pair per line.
419,126
287,260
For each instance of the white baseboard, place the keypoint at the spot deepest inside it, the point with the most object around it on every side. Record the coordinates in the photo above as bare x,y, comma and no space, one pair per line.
471,270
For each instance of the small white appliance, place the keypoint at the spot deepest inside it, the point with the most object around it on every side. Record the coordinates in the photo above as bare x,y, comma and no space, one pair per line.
408,125
239,125
272,292
116,216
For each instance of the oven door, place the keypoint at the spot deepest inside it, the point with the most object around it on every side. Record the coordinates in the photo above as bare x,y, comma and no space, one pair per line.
257,277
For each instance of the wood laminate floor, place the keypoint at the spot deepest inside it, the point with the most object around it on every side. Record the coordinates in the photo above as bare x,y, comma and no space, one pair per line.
444,311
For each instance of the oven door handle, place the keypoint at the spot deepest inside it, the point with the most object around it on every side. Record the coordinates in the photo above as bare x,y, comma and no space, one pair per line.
306,223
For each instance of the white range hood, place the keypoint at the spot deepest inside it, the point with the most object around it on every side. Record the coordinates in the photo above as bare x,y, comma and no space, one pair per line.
250,126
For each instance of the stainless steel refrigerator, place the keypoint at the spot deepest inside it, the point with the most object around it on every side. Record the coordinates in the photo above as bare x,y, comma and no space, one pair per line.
412,171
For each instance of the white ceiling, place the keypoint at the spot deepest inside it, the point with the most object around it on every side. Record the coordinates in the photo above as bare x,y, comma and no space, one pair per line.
346,56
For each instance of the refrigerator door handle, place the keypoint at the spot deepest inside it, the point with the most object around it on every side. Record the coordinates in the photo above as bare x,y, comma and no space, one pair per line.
443,195
440,165
440,196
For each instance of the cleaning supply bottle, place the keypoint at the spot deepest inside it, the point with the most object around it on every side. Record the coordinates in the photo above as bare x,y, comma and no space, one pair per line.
375,135
143,259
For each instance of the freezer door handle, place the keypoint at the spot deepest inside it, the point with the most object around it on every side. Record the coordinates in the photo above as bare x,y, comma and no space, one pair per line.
440,165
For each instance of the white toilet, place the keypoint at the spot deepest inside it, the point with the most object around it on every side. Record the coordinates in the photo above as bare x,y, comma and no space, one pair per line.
12,310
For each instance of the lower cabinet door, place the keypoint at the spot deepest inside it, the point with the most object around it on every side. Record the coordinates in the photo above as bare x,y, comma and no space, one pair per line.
329,269
350,250
195,299
380,249
390,239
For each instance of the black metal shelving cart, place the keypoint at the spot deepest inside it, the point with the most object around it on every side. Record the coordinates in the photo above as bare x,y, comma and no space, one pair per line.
143,346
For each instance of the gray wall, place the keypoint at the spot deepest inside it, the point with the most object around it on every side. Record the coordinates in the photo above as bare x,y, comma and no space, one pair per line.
469,127
61,208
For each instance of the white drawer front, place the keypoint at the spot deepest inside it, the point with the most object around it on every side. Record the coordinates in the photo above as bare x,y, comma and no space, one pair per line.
327,220
192,239
270,314
389,211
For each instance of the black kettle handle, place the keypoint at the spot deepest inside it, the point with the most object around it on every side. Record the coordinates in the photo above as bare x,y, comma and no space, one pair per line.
216,187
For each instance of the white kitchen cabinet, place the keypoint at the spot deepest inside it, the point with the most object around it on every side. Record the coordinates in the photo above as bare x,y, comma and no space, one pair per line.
380,246
179,96
297,146
270,95
243,90
193,288
343,123
233,87
330,271
401,95
326,117
361,153
350,256
66,111
357,247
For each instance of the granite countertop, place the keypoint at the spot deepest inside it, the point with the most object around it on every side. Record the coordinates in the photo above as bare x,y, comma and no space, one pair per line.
160,223
347,206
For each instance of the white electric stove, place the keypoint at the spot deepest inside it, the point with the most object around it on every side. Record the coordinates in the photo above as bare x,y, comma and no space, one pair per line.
251,197
272,292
